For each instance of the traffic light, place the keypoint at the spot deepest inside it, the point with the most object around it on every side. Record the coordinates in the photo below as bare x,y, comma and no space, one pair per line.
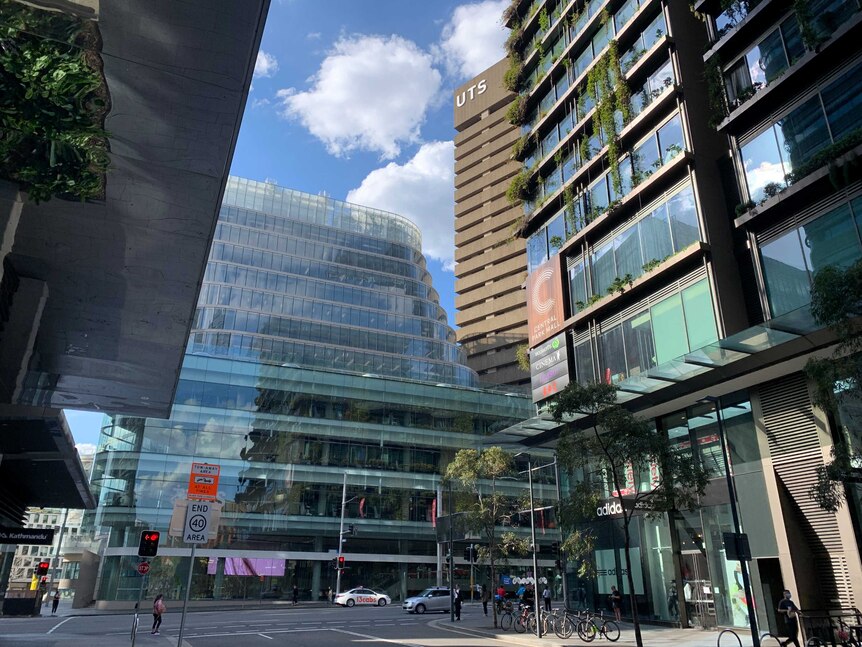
470,554
149,546
42,568
341,561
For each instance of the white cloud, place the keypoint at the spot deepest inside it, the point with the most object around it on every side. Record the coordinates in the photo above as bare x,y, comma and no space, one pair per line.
265,65
473,39
371,93
85,448
420,189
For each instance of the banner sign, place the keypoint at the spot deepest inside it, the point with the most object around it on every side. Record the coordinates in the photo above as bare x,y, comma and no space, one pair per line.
32,536
545,313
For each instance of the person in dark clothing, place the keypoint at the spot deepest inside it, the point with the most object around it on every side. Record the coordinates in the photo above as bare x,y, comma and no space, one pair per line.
486,597
158,609
616,602
791,613
528,599
55,602
458,602
295,594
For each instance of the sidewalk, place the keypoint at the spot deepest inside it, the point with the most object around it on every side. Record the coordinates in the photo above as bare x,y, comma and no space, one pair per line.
473,621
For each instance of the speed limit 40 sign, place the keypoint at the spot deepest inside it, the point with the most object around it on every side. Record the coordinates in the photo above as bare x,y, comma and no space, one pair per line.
197,524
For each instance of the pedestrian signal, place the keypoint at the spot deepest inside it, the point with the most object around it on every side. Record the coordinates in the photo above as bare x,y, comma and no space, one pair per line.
341,561
149,546
42,568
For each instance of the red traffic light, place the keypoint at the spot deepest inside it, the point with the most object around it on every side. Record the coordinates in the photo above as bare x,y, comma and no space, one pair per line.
42,568
341,561
149,545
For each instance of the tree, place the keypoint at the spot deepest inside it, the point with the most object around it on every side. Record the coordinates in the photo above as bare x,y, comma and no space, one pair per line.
836,302
473,471
624,455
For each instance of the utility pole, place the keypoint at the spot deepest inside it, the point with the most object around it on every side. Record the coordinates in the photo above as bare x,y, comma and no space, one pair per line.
341,534
451,556
535,557
562,554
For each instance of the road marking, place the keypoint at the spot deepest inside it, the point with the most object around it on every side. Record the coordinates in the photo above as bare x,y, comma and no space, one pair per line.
265,636
247,633
60,624
385,640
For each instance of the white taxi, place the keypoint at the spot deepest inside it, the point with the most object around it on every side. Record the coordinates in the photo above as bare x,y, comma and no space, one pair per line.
362,596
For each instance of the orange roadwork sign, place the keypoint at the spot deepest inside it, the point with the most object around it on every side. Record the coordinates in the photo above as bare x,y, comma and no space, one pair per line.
203,481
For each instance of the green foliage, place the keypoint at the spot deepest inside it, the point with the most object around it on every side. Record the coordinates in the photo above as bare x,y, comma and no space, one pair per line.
520,147
805,19
513,41
836,302
512,76
522,354
516,113
715,91
51,106
619,284
476,475
607,87
742,207
521,187
544,20
615,444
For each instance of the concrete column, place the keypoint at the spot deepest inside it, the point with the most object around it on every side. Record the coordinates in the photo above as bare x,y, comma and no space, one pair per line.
316,570
11,205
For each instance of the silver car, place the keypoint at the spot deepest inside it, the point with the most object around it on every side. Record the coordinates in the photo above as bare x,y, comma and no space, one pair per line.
434,599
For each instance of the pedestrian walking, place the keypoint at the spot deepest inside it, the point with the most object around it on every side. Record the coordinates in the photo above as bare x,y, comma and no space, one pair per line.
295,594
486,597
159,609
55,602
791,613
458,604
329,595
616,602
546,596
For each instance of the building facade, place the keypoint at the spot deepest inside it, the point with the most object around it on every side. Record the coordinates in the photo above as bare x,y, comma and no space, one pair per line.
676,205
319,360
490,261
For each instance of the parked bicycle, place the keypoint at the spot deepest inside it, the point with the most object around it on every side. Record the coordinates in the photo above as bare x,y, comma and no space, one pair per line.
844,636
590,627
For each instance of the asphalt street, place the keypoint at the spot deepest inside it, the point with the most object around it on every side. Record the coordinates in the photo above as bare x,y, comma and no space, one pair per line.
310,626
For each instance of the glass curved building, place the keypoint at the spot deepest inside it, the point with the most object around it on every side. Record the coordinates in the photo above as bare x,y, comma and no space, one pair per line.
319,349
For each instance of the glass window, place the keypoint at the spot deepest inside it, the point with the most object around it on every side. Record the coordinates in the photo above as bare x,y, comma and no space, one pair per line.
624,13
655,235
802,133
577,283
829,15
683,219
584,369
556,233
792,39
583,61
653,33
625,168
647,158
599,199
761,160
603,36
767,61
550,141
842,100
661,79
670,139
604,271
537,249
669,329
611,351
831,239
570,166
640,352
738,82
699,316
552,182
787,284
627,249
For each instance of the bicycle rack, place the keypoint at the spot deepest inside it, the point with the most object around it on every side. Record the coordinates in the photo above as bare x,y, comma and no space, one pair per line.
728,631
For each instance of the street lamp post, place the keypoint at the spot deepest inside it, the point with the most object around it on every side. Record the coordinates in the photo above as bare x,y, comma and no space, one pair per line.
734,514
535,556
561,553
344,502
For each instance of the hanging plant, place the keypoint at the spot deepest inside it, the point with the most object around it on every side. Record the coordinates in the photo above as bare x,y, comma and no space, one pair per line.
522,187
513,75
607,88
516,114
544,20
513,41
520,147
807,30
715,91
52,105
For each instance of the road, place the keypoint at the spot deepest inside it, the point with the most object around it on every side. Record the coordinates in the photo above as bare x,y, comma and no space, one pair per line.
300,627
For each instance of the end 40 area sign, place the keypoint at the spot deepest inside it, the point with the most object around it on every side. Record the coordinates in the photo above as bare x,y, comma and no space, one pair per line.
197,526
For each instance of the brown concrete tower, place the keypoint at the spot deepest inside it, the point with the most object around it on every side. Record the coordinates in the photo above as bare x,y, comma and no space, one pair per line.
491,263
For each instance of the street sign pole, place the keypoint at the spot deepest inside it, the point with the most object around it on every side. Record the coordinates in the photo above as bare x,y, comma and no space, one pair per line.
137,609
186,596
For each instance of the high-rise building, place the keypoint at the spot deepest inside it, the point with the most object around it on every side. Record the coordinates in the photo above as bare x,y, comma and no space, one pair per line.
685,172
322,376
490,261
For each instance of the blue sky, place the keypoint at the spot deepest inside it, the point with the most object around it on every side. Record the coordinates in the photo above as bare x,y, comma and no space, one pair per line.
354,98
